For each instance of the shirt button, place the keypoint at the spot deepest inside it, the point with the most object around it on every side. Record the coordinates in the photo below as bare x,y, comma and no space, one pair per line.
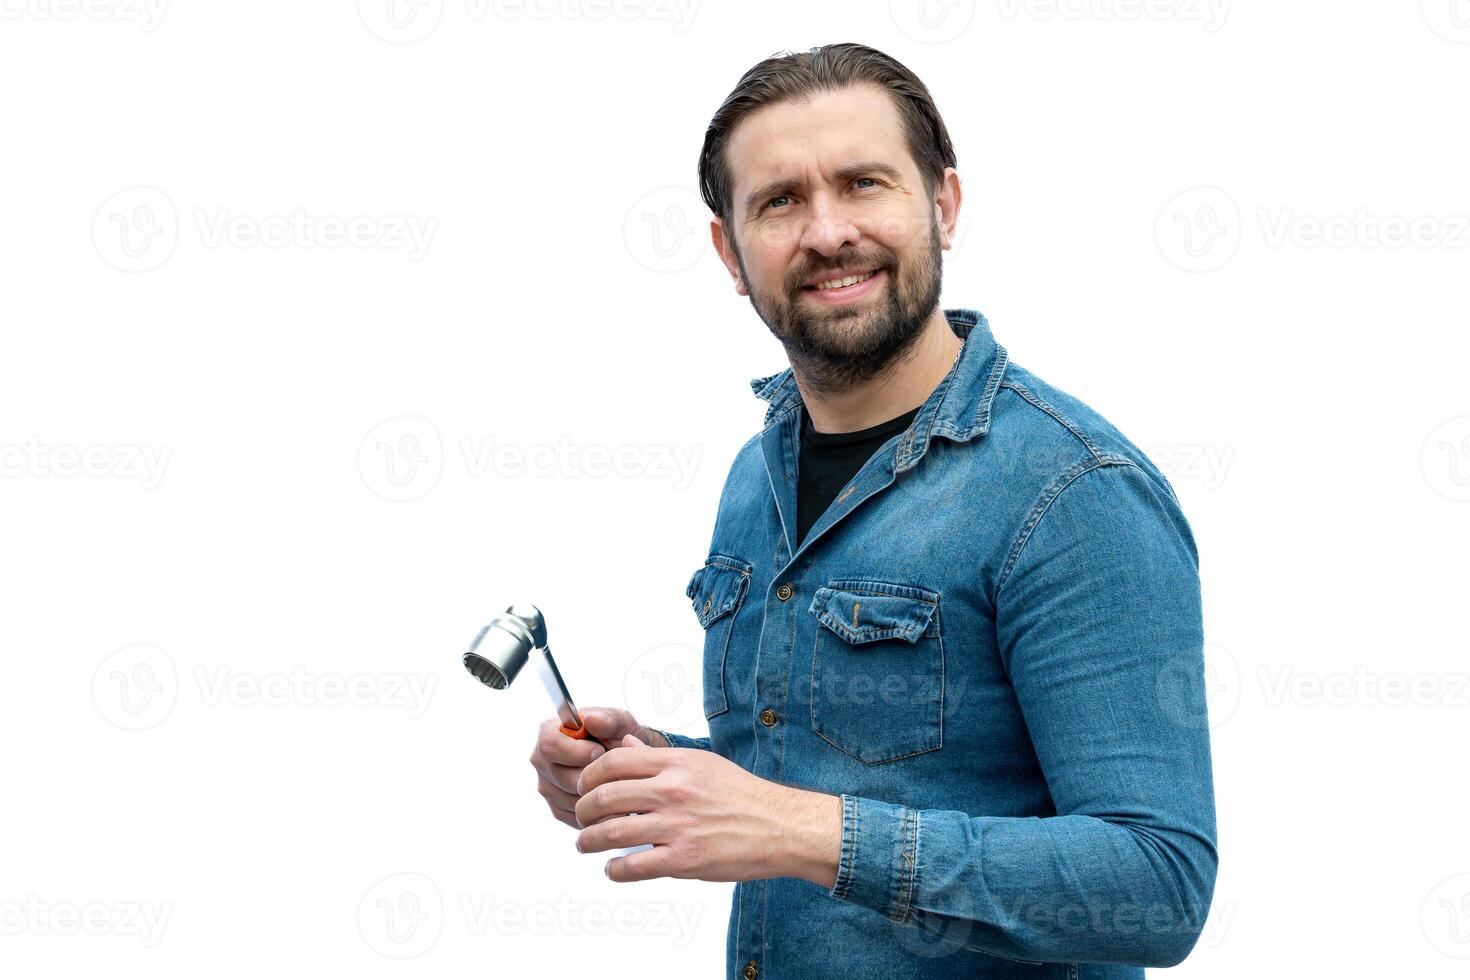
749,973
768,718
783,592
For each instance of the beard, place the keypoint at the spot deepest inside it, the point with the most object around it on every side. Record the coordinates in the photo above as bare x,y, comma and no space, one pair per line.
837,348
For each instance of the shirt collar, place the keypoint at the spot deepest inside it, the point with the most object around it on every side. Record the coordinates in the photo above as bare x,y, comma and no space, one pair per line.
959,406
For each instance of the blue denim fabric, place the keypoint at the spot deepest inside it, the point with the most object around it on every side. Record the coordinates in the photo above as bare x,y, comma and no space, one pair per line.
992,649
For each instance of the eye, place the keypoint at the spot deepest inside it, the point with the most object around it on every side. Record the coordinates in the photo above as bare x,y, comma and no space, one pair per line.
779,197
873,179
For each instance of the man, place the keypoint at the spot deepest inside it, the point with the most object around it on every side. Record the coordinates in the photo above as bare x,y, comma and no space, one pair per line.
952,623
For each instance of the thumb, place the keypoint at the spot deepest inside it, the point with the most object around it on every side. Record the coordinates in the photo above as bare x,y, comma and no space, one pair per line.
609,723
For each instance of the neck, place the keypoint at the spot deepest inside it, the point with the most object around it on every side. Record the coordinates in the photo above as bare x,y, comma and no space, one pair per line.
905,385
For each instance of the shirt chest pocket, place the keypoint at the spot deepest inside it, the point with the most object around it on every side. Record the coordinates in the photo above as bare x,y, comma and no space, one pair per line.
877,669
717,590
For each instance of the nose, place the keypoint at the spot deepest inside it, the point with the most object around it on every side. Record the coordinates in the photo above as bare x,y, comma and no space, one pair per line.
829,227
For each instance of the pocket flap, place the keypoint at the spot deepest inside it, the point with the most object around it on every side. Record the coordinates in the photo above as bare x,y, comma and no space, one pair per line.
862,612
716,587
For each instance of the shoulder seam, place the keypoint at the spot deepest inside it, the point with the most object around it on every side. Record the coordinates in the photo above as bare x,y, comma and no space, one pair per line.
1043,505
1057,416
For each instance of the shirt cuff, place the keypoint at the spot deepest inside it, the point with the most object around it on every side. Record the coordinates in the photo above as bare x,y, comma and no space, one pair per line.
682,741
879,858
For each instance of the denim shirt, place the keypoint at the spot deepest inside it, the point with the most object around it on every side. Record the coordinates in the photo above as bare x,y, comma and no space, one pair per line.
990,646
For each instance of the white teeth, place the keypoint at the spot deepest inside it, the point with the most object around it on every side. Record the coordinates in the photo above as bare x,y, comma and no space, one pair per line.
846,281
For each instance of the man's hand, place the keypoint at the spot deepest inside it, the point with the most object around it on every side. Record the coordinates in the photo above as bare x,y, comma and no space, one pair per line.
709,818
559,760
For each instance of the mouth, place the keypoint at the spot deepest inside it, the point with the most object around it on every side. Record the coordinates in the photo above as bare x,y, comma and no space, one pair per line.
846,289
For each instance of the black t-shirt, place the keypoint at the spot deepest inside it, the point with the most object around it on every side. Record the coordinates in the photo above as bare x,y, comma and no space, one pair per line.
829,459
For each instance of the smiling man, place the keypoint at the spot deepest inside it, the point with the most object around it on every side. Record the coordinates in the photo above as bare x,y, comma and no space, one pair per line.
953,651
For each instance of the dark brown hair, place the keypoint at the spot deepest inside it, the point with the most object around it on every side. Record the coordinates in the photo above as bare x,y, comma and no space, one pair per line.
788,77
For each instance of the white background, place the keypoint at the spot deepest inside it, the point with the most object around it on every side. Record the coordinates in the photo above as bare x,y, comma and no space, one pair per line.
245,461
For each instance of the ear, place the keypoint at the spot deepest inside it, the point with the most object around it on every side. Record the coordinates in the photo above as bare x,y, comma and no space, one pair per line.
726,251
947,207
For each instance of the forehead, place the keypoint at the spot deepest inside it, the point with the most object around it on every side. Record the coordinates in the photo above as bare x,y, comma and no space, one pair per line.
795,139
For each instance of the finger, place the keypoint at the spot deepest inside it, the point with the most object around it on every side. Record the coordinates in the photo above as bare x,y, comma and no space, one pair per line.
640,866
555,746
620,796
624,762
562,777
567,817
627,831
556,796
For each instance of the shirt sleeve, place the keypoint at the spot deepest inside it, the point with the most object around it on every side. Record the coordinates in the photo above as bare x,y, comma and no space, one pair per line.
683,741
1099,625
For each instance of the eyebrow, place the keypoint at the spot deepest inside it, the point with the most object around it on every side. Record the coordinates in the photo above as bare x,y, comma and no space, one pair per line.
783,185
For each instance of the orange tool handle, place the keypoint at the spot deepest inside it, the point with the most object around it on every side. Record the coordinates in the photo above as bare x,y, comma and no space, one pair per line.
578,733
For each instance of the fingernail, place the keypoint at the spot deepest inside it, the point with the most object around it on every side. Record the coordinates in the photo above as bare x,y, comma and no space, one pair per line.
605,872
